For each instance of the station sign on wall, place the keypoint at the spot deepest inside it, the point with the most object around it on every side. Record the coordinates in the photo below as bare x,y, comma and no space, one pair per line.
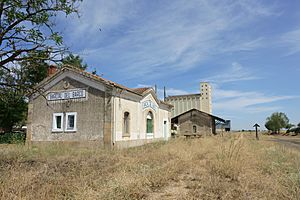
149,104
68,94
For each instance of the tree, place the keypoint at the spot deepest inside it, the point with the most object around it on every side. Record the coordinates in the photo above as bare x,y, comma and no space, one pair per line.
75,60
34,70
277,121
28,42
289,126
27,27
13,109
13,105
298,125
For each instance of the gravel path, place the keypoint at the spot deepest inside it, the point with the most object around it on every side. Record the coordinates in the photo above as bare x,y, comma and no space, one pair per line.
293,142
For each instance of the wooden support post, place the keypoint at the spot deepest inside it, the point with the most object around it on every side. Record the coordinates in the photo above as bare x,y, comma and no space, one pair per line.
256,133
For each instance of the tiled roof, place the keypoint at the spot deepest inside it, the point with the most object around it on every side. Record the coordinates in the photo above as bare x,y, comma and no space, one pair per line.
96,77
140,90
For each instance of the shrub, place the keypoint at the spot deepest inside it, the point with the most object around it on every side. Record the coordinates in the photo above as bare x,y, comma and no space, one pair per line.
294,130
12,138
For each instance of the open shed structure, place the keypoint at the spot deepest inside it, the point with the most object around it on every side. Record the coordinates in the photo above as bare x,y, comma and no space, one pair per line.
195,122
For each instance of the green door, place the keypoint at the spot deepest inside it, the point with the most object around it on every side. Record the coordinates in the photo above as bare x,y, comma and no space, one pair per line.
149,125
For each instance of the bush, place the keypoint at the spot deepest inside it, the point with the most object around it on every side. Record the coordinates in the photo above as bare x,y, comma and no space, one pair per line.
12,138
294,130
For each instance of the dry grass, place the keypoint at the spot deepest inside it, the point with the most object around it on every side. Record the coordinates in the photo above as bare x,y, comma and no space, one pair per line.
230,167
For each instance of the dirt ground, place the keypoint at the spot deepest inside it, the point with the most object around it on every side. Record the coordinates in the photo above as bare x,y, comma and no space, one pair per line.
232,166
288,141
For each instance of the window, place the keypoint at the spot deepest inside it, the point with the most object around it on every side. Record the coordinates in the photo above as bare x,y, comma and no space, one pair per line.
57,124
126,123
149,124
194,129
71,121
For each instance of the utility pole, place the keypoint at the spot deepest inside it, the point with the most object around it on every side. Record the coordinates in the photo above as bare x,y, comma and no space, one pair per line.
256,133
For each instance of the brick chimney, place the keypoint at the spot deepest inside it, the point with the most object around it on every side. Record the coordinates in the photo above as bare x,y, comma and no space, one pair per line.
52,70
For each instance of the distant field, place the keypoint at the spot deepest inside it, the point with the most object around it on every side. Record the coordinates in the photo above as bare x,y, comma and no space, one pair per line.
230,167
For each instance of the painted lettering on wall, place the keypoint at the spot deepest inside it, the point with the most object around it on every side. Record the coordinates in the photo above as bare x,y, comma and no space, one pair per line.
69,94
149,104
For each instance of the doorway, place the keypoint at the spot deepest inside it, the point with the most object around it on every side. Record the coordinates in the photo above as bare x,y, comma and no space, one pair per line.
165,130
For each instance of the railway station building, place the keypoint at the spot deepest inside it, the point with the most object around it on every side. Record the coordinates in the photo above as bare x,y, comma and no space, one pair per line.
74,105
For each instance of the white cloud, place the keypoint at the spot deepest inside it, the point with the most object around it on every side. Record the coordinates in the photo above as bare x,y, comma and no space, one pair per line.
245,102
169,91
233,101
170,37
292,41
96,15
232,74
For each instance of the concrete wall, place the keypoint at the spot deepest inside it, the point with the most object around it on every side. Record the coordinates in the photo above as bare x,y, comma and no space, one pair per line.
90,115
206,97
184,103
134,143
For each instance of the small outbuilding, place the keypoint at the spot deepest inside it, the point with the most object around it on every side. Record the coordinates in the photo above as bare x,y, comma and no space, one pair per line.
195,122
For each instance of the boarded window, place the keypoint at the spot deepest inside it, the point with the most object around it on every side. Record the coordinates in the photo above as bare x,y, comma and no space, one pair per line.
126,124
194,129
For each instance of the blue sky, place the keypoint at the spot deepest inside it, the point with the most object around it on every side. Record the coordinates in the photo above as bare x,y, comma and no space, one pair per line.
249,50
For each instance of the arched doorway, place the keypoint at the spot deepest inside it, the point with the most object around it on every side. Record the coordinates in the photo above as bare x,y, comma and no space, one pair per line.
149,123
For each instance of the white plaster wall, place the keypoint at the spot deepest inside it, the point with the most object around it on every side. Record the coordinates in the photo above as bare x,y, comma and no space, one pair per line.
124,105
138,119
164,116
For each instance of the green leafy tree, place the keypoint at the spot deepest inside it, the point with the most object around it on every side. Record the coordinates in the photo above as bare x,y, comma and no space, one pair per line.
289,126
74,60
277,121
13,110
34,70
28,41
298,125
13,105
28,26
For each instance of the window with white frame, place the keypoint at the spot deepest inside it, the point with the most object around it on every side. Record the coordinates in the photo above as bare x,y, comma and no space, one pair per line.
71,121
64,122
57,124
